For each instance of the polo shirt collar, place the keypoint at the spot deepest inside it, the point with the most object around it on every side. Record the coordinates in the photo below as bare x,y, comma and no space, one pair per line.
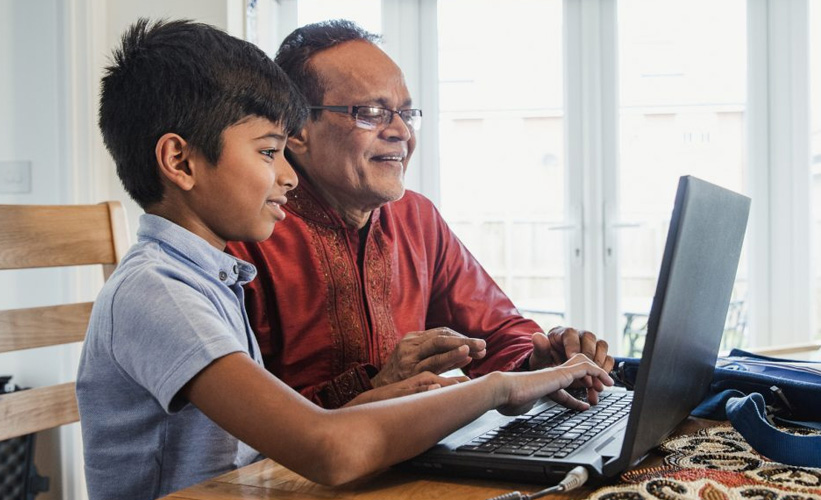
216,263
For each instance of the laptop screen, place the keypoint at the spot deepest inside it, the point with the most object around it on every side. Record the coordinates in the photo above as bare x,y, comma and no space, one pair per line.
689,308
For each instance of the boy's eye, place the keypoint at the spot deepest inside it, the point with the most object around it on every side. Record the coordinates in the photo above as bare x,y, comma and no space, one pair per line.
270,153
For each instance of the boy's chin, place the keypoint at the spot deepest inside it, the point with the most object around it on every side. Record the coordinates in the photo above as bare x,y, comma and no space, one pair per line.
263,234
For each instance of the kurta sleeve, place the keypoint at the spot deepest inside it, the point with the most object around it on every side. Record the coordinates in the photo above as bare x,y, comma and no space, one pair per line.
342,388
465,298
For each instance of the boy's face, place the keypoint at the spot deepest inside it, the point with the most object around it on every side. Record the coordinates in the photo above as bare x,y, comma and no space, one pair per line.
239,198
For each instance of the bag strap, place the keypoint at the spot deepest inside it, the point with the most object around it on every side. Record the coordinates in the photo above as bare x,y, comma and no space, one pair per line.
748,415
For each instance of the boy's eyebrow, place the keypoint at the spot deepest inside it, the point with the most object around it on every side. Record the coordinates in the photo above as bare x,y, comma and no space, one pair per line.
272,135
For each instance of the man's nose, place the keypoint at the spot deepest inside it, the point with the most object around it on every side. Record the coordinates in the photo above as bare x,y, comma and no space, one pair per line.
397,129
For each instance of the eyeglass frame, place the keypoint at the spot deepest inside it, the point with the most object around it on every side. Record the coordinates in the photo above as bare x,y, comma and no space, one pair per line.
353,112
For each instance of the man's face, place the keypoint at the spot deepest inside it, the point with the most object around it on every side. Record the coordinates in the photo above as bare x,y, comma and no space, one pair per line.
354,168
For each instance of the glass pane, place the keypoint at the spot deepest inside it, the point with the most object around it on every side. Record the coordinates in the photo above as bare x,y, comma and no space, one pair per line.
682,94
815,148
502,144
366,13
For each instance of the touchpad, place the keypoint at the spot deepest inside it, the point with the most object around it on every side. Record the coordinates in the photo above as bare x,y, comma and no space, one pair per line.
612,447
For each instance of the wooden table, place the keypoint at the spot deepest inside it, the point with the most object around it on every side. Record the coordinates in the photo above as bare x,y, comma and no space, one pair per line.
267,480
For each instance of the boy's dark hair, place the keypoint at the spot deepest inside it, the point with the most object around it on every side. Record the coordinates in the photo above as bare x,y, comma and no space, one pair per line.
190,79
297,49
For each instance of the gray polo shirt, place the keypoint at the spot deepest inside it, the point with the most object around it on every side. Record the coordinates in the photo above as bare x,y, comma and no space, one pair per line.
174,305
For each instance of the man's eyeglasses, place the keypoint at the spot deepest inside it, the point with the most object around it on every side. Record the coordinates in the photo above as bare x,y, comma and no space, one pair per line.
371,117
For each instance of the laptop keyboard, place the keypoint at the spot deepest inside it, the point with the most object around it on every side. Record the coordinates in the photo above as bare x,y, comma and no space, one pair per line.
555,432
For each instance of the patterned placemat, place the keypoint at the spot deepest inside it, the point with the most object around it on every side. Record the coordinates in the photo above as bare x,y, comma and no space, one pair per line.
716,464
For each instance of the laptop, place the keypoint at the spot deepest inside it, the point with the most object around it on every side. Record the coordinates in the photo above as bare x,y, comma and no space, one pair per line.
684,332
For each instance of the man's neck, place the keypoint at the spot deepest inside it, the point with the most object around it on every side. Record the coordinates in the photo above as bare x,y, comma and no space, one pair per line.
353,216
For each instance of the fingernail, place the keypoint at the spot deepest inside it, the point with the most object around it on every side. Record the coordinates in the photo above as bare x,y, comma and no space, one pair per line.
433,386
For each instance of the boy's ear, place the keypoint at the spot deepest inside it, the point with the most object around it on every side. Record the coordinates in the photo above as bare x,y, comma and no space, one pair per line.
298,143
173,154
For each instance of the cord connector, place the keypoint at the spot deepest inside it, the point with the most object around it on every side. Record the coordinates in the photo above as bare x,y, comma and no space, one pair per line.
572,480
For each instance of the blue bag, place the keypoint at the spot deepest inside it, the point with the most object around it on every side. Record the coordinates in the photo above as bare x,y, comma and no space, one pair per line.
757,392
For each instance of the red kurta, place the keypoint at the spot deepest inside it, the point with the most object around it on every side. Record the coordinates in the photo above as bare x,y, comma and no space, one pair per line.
325,326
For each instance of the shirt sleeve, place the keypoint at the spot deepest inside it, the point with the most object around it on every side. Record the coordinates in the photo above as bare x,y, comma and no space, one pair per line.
466,299
164,331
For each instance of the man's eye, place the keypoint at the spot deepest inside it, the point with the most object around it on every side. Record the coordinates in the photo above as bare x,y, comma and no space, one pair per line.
369,113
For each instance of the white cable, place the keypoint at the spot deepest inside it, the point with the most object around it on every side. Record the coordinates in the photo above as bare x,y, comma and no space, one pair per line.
575,478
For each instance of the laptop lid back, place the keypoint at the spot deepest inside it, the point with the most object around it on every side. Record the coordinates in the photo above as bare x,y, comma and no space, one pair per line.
687,317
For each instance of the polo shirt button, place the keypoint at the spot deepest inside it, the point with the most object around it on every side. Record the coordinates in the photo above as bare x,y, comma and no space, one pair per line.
223,276
236,271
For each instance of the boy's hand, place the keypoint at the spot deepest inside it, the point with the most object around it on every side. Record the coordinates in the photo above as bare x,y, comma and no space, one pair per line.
436,350
562,343
421,382
524,388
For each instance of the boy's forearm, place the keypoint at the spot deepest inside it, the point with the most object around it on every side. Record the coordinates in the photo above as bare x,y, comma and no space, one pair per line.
380,434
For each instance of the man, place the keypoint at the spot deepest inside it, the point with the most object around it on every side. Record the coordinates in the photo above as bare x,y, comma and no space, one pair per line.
364,283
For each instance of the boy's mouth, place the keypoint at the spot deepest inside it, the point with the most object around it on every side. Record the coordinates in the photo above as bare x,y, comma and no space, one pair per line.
275,205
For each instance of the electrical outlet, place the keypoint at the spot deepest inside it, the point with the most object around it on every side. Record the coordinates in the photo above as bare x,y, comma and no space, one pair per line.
15,177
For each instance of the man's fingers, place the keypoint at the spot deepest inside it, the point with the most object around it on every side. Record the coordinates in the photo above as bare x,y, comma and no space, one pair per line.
438,363
571,340
600,356
609,364
444,344
589,344
557,344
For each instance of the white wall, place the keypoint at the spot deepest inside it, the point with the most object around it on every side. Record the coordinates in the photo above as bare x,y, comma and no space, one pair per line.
30,117
224,14
51,57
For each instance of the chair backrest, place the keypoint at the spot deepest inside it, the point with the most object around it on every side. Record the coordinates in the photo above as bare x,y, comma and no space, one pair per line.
34,236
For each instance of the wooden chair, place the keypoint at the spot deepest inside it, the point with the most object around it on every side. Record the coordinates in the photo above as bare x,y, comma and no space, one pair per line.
34,236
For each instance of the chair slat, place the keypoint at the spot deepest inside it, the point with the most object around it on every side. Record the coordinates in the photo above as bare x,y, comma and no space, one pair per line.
43,326
34,410
33,236
51,236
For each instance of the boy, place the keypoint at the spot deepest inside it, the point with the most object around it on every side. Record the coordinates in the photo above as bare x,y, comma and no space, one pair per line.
170,387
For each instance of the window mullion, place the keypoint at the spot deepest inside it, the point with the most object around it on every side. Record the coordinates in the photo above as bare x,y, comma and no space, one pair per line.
590,114
409,31
778,124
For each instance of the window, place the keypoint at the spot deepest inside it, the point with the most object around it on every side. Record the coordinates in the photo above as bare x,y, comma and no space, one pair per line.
815,151
682,101
501,136
366,13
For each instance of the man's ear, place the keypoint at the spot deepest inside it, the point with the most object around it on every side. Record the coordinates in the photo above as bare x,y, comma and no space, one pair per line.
172,153
298,143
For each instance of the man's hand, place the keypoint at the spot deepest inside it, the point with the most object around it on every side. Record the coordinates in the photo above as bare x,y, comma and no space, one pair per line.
562,343
436,350
421,382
